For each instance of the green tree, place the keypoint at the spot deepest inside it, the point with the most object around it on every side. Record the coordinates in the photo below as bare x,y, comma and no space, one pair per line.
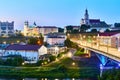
107,30
117,25
75,31
40,62
60,30
32,41
14,60
68,43
84,27
94,30
69,29
52,58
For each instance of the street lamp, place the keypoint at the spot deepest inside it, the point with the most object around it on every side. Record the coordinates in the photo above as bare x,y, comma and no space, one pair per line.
69,54
23,63
73,63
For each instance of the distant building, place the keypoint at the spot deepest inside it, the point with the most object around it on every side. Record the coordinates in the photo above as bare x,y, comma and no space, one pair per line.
36,30
94,23
74,28
55,38
6,28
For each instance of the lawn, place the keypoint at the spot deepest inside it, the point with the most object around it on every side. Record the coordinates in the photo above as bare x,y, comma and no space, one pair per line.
52,70
68,62
79,52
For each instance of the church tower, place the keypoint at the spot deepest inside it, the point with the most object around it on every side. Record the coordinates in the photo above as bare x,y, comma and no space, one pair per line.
86,17
26,28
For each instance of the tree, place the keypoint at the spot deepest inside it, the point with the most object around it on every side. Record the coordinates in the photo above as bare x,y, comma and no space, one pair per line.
94,30
14,60
84,27
32,41
60,30
52,58
69,28
75,31
107,30
117,25
68,43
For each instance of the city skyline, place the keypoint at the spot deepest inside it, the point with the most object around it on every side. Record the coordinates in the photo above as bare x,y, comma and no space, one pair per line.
58,13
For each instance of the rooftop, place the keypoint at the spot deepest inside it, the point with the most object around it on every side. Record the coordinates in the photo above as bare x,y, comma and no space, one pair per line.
94,20
23,47
108,33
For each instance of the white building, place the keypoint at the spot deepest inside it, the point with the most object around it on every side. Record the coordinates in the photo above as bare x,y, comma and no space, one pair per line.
6,28
55,50
30,53
55,38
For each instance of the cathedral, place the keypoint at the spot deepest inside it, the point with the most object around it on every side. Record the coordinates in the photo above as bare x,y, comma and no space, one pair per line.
94,23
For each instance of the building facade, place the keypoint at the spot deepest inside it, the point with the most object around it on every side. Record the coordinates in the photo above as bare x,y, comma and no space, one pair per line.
55,38
55,50
6,28
30,53
111,39
36,30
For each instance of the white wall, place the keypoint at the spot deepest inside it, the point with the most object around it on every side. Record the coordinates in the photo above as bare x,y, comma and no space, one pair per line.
42,50
32,55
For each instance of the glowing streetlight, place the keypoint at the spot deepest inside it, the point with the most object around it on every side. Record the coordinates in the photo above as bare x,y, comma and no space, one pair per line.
45,62
63,55
4,42
57,59
69,54
42,63
18,41
23,63
73,63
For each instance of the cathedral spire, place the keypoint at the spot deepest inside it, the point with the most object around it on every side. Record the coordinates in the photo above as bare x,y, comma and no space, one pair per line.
86,14
86,17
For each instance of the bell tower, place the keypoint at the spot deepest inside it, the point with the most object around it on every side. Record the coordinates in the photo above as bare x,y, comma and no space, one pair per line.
86,17
26,28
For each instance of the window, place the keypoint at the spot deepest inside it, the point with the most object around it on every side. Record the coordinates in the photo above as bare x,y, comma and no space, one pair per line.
3,32
10,32
10,28
3,28
34,57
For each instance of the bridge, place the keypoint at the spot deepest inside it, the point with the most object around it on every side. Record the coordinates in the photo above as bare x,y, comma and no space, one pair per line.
104,53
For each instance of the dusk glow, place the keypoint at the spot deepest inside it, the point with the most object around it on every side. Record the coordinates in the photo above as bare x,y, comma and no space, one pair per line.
59,13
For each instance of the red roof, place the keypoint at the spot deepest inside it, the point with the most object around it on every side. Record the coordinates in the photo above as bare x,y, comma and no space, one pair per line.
23,47
94,20
107,33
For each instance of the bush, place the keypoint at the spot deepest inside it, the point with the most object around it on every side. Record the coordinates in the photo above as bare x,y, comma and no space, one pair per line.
14,60
52,58
82,50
